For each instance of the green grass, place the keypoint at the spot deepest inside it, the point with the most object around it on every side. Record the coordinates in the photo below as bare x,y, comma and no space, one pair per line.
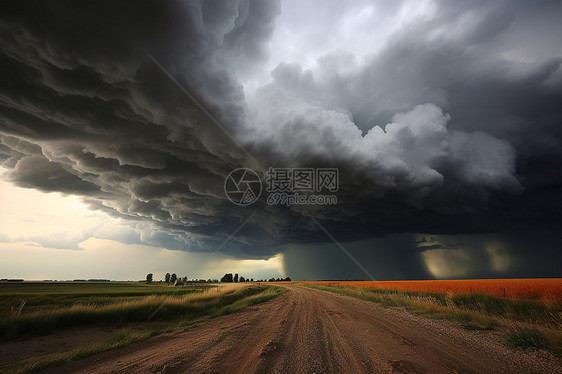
525,324
526,310
139,309
524,337
38,308
537,337
31,296
178,312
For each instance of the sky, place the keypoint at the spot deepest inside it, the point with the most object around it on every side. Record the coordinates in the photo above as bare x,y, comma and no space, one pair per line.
120,123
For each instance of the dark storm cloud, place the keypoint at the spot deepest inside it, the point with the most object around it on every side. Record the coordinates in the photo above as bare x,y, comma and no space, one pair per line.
85,112
37,171
451,127
499,112
414,256
254,24
386,258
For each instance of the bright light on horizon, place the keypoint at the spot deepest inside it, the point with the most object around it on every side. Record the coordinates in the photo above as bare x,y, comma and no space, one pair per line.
53,236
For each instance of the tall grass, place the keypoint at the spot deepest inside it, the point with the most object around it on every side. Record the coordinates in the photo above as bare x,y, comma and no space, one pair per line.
534,311
524,335
142,309
32,296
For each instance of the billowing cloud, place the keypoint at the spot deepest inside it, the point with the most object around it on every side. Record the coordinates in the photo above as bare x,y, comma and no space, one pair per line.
446,121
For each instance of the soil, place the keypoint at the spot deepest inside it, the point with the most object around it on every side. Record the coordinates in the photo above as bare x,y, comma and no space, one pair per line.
16,350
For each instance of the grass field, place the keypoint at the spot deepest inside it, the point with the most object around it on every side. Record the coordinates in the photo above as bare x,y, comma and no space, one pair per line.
25,297
543,289
135,310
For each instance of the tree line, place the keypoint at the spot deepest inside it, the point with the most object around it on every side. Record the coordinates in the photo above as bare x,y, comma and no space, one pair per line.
227,278
174,279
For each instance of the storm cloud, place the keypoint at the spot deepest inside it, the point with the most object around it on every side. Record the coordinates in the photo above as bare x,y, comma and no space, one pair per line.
444,122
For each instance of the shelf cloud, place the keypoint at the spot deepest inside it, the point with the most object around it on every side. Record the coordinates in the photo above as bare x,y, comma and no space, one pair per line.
444,122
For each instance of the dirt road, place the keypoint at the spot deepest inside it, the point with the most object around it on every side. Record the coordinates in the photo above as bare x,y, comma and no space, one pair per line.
311,331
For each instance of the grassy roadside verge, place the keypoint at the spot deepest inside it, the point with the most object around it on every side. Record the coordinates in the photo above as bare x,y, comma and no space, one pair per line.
188,311
522,323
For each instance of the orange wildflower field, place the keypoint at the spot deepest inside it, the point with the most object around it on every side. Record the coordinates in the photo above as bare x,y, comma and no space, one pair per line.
545,289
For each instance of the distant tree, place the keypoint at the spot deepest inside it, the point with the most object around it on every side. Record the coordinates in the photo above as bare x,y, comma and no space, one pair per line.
236,277
251,280
149,278
242,279
227,278
287,279
167,278
173,278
